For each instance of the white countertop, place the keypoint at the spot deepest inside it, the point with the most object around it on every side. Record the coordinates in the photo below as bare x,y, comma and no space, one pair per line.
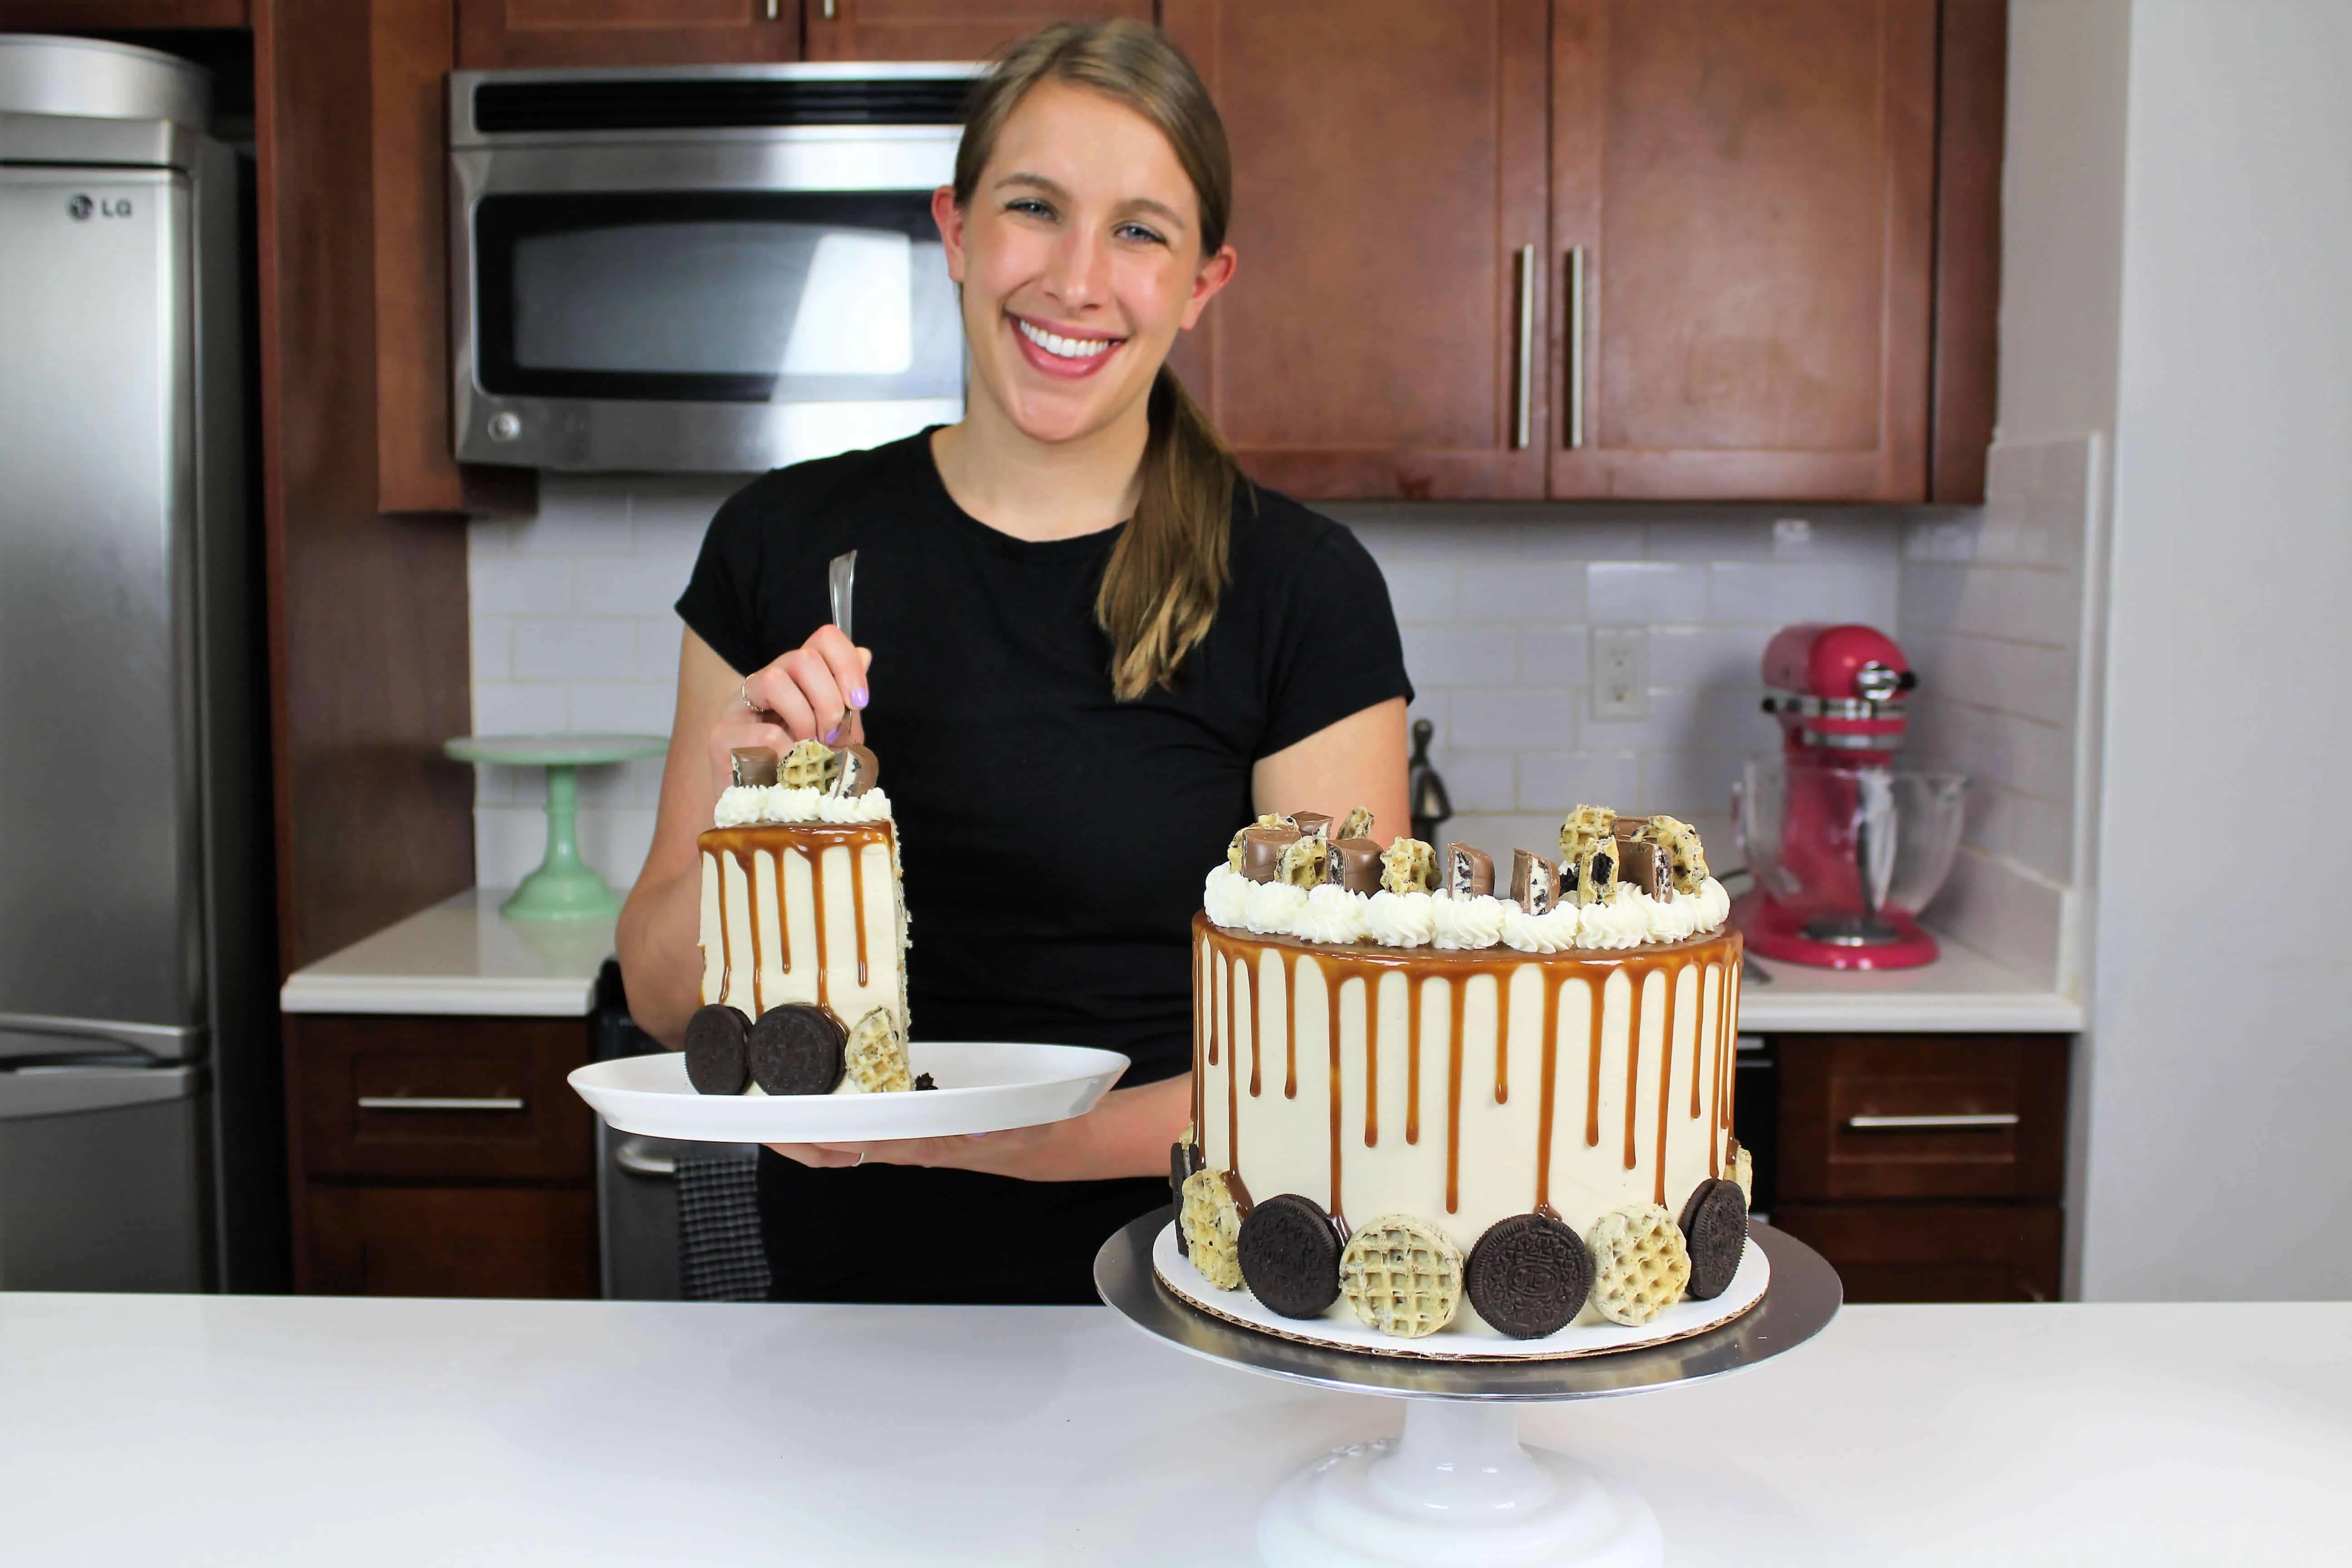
460,956
1962,992
310,1430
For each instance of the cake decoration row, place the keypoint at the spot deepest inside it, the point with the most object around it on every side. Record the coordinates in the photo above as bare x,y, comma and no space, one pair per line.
1620,882
1528,1276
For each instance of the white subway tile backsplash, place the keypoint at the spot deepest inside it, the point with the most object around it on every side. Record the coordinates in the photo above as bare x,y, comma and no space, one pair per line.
518,708
1644,592
1782,593
493,646
1708,656
1454,656
1522,593
625,585
505,585
1555,655
1512,718
1554,783
1481,781
587,648
1421,591
622,708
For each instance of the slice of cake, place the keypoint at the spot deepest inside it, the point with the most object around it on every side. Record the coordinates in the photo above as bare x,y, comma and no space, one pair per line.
1523,1099
803,931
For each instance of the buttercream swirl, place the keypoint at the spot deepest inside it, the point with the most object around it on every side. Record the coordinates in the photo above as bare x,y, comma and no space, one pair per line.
1467,924
1618,921
1273,908
1226,896
1400,919
1332,914
1554,930
749,805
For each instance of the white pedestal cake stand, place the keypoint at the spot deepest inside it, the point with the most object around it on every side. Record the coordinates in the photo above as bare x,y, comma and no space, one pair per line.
1457,1487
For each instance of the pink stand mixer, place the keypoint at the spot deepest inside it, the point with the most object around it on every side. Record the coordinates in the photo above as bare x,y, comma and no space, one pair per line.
1846,847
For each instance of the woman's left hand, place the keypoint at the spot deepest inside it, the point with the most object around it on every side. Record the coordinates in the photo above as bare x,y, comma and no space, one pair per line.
1128,1134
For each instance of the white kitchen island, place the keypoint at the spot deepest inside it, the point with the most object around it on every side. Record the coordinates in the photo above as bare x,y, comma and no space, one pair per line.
320,1430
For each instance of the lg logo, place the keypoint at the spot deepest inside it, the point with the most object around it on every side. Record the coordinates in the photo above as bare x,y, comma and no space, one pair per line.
81,209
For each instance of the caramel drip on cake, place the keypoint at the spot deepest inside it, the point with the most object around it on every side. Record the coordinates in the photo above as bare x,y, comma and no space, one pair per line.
1331,985
1372,1059
1201,1023
745,862
1457,993
1640,977
857,907
1412,989
1502,1046
1544,1092
1699,1039
1257,1031
816,888
1673,973
1599,986
1234,1070
1290,1000
726,943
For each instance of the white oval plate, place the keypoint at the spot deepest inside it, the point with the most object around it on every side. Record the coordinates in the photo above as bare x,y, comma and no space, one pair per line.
985,1086
1468,1337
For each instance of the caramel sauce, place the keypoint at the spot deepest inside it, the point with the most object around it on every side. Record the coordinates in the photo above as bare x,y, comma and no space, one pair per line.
726,945
857,908
1502,1044
1290,1000
745,862
1716,955
810,840
1199,1023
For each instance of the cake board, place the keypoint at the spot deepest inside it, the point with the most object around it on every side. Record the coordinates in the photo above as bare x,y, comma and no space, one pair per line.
1456,1486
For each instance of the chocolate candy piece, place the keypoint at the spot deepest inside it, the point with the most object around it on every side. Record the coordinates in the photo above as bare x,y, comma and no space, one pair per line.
797,1049
1261,850
1354,864
716,1062
1528,1276
755,767
853,771
1183,1159
1357,825
1234,850
1290,1256
1409,866
923,1080
1643,867
1535,882
1303,860
807,765
1469,871
1714,1234
1314,824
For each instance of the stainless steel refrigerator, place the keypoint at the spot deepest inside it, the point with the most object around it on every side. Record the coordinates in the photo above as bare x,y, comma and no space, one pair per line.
140,1122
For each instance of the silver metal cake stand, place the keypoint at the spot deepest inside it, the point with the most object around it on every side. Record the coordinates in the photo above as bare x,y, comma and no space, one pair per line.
1457,1487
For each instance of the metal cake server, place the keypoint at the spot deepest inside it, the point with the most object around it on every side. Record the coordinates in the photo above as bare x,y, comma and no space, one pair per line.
841,577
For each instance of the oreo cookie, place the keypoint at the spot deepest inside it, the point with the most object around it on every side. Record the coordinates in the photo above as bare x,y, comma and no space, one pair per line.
715,1058
1290,1255
797,1049
1528,1276
1714,1234
1183,1159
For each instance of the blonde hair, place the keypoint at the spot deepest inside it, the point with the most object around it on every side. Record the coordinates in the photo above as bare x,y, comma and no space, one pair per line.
1160,588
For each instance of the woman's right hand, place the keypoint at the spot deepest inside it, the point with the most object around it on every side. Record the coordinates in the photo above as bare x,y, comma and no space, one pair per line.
814,692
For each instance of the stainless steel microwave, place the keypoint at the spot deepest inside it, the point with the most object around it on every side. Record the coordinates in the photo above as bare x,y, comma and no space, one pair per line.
718,269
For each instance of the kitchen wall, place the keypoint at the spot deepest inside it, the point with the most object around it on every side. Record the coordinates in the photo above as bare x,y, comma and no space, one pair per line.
573,630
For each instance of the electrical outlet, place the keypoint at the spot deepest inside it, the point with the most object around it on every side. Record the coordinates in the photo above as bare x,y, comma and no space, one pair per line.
1621,672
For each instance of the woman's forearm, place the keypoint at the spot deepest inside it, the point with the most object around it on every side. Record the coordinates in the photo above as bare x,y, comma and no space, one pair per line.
661,958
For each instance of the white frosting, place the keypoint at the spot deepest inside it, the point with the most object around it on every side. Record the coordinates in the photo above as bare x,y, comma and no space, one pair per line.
1273,908
748,805
1226,896
1469,923
1620,921
1333,914
1551,932
1400,919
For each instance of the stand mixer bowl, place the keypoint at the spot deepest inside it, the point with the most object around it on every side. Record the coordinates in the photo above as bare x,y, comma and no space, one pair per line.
1846,856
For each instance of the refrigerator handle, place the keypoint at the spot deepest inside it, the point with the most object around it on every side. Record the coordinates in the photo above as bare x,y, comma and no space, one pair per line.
74,1090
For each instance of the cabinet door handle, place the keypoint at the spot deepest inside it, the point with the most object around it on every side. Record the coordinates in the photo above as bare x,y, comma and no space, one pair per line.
1946,1122
1575,347
633,1159
437,1103
1524,408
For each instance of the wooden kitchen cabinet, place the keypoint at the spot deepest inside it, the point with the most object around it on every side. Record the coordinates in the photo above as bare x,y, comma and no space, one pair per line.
1925,1167
440,1156
517,32
1388,202
942,29
1749,188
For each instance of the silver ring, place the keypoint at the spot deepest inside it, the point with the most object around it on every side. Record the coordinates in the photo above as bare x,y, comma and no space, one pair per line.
744,692
861,1158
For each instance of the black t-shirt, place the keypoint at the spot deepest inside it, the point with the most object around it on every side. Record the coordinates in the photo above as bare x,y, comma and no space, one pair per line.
1054,838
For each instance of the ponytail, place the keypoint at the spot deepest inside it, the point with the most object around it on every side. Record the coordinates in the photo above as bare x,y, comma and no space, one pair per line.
1160,588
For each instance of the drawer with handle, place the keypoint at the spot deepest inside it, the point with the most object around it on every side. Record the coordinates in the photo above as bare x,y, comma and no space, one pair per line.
1922,1116
429,1098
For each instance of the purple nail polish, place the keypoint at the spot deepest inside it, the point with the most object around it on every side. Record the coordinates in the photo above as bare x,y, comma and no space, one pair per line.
833,734
857,697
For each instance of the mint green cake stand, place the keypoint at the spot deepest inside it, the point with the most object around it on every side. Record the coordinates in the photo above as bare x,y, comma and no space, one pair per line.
564,887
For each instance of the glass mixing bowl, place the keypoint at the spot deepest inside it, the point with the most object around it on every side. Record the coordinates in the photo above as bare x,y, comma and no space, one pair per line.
1832,842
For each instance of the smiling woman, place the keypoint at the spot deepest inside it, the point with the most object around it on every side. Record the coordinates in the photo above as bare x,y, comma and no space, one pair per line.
1091,651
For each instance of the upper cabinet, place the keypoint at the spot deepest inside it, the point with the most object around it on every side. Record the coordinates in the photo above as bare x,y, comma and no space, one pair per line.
1384,333
1743,230
76,15
941,30
498,33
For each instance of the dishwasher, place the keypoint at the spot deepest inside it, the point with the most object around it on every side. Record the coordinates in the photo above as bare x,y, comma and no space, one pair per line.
676,1220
